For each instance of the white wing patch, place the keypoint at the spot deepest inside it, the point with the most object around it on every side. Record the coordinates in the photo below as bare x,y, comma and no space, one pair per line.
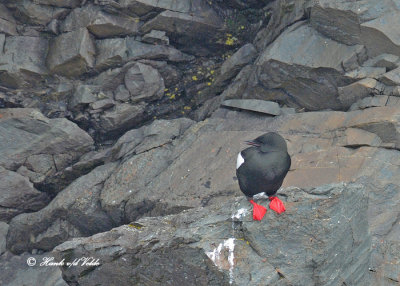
239,161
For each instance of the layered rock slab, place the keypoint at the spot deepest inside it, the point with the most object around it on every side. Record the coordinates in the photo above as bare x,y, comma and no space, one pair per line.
60,3
74,212
287,64
17,195
215,245
78,210
100,23
26,132
368,23
112,52
40,149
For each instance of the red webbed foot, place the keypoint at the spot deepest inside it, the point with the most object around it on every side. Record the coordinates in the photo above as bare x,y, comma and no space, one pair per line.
258,211
276,205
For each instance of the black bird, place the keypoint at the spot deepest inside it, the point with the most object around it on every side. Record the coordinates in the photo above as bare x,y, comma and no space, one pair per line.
262,168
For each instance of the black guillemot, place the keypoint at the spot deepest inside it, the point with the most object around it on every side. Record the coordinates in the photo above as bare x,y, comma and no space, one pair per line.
261,169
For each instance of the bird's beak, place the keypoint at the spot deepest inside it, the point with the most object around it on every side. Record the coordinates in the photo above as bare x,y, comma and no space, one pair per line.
252,143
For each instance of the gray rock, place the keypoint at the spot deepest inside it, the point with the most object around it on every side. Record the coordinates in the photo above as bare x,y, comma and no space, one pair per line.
300,78
157,134
60,3
237,247
352,93
156,37
393,101
371,101
354,137
75,211
83,95
237,88
202,28
144,83
236,62
121,93
364,72
86,163
16,272
7,22
26,132
122,117
168,20
144,8
34,177
380,34
54,223
171,74
349,223
17,195
110,79
267,107
23,61
315,158
112,52
3,235
280,15
396,91
40,163
180,167
2,40
391,78
182,6
387,61
148,144
387,271
103,104
159,171
53,26
301,37
138,50
99,23
30,12
382,212
368,23
336,23
71,54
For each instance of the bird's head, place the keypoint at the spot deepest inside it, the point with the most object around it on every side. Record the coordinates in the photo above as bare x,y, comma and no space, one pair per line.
269,142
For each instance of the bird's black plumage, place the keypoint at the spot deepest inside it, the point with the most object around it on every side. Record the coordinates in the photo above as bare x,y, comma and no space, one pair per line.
263,166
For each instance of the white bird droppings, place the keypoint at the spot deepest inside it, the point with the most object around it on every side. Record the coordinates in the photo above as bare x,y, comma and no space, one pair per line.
240,213
215,256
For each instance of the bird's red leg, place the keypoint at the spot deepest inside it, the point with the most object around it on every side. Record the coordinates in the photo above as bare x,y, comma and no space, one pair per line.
258,211
276,205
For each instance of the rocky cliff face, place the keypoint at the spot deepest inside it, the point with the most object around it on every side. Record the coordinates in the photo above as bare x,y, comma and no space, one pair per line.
120,123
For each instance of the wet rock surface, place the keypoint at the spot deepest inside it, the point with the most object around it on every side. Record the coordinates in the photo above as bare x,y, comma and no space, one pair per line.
120,123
